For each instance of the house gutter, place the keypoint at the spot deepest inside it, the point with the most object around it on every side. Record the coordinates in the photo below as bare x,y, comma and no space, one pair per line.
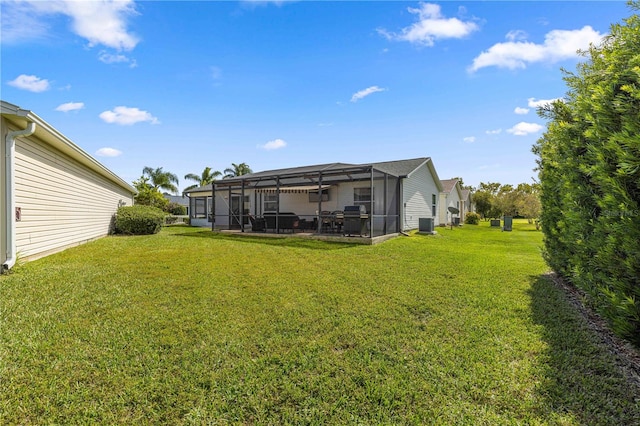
10,187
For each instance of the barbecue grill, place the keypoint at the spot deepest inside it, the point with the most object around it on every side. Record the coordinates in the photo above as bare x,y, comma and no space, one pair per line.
355,220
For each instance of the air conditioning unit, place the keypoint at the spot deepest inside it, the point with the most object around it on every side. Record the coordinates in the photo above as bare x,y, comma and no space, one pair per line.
425,225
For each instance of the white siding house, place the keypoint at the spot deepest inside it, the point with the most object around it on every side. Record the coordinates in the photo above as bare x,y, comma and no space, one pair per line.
420,196
467,203
54,195
451,196
396,194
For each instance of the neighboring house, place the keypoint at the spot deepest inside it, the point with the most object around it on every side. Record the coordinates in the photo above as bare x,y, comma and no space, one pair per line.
467,202
451,196
395,195
182,200
53,194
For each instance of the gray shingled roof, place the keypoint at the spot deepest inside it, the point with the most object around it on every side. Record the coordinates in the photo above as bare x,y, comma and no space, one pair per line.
400,167
395,168
448,184
292,171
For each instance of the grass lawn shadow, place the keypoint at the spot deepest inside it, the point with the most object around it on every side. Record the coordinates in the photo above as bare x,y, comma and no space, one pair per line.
271,241
583,377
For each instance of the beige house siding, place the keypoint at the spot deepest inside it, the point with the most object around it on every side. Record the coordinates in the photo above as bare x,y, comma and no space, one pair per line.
450,199
418,190
62,202
3,244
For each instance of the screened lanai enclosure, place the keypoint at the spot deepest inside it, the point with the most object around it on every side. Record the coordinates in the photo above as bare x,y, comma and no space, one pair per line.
337,199
325,199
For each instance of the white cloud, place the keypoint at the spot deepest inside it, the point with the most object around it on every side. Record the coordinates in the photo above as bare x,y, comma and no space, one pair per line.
20,23
110,58
274,144
127,116
469,139
366,92
521,111
524,128
255,3
30,83
431,26
70,106
541,102
108,152
516,35
494,132
99,22
516,53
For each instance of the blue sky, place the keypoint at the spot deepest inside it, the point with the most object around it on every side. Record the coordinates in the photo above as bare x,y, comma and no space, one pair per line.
185,85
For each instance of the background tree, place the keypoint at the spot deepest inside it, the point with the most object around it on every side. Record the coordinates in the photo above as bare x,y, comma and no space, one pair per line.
482,200
203,179
462,185
237,170
589,169
148,195
159,179
490,187
485,199
506,200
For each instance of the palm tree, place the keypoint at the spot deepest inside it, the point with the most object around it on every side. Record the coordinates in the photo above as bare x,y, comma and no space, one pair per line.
160,179
237,170
205,178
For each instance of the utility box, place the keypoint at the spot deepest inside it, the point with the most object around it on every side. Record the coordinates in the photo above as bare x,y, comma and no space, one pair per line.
495,223
456,221
508,223
425,224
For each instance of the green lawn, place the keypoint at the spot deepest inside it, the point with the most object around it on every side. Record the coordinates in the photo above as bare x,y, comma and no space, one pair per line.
192,327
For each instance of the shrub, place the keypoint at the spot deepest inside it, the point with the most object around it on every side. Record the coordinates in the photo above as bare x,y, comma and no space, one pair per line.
176,209
139,220
589,169
151,197
472,218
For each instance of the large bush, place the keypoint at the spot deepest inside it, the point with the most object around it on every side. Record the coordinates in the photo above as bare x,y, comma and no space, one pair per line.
176,209
471,218
589,162
139,220
151,197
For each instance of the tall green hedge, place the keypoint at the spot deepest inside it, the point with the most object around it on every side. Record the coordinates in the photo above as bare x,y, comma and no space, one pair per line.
589,166
139,220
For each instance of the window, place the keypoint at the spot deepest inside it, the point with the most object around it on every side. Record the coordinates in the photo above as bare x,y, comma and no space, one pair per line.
433,205
314,197
362,196
200,208
270,202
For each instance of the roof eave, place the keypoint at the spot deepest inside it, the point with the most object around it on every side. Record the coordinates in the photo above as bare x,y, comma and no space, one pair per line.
53,137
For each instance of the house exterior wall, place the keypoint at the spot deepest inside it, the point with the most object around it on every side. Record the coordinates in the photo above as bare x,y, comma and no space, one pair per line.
3,221
62,202
451,199
340,195
417,192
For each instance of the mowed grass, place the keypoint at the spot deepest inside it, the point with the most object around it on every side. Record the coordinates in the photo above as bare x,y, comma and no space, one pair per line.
192,327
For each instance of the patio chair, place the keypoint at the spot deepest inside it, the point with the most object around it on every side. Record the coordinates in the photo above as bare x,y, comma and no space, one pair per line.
327,220
257,224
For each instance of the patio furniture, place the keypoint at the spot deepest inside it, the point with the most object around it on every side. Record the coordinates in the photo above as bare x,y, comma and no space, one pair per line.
326,219
355,220
338,220
257,224
286,220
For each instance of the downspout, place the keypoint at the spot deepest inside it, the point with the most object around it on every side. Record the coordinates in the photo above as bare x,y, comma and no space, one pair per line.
10,188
